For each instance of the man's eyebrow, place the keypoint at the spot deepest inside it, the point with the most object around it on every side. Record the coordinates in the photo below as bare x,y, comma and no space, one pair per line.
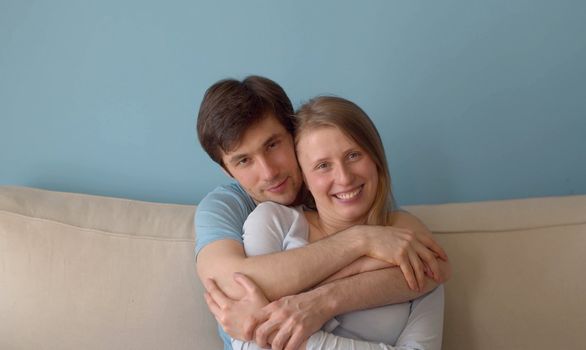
273,138
236,158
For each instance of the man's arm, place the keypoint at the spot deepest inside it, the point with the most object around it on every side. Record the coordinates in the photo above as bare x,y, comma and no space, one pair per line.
305,313
219,246
219,220
317,306
292,319
290,272
289,321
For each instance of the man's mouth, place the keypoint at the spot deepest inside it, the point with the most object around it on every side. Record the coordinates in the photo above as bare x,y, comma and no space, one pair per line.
278,187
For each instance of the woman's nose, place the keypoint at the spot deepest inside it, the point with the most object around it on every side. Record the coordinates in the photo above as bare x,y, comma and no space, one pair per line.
344,175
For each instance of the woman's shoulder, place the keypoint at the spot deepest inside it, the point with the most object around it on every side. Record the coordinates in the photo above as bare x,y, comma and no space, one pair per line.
276,208
396,216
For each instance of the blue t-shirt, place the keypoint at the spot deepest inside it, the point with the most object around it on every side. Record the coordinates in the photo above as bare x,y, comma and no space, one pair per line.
221,215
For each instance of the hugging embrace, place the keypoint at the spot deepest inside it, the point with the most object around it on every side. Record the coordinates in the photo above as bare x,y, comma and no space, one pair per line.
306,250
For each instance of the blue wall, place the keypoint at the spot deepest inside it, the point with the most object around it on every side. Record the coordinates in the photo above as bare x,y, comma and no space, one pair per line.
475,100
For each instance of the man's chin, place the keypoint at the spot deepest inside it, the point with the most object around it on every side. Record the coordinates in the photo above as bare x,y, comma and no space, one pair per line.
284,199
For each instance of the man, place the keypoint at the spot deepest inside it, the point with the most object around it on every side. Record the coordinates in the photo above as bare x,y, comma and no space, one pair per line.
246,127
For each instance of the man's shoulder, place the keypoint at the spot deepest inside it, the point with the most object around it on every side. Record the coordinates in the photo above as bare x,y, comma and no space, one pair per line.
229,194
221,214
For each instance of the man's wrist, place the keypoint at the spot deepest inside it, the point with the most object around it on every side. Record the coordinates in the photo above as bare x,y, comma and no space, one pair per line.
356,238
327,299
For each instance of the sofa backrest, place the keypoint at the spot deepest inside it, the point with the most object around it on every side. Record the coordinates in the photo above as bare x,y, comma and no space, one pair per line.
89,272
517,272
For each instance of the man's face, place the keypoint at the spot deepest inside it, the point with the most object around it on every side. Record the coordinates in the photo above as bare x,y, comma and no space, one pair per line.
265,163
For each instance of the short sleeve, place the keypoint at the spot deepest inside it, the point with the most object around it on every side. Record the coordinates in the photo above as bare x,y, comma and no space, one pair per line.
221,215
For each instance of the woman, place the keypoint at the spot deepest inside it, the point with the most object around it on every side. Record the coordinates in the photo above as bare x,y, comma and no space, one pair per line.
344,166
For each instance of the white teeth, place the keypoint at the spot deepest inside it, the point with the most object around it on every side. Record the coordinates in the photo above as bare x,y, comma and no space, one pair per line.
348,195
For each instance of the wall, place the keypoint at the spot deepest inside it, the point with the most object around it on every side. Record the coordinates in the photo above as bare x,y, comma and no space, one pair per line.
475,100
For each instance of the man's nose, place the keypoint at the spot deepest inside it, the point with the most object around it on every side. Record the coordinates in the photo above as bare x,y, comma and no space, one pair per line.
268,169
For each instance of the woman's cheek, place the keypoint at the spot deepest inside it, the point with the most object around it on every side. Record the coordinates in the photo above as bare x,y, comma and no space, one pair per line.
319,184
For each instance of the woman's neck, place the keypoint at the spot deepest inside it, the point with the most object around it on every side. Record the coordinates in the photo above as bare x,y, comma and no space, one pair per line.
322,226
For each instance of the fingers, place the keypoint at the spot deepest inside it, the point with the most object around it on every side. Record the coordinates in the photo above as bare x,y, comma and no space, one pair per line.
297,338
432,244
248,328
409,275
271,337
427,270
249,286
281,338
418,269
430,260
216,293
263,332
212,305
433,266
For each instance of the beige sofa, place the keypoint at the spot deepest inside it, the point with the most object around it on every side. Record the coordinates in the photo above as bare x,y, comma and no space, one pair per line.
87,272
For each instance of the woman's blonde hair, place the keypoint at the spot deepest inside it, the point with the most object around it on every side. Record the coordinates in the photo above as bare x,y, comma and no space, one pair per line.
330,111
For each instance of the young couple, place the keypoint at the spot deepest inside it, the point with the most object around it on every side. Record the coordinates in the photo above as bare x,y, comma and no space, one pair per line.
310,255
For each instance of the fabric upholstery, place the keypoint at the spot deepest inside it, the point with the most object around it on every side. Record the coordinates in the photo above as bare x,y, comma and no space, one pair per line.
89,272
517,267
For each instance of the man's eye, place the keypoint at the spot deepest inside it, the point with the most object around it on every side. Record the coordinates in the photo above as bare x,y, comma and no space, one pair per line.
243,161
273,145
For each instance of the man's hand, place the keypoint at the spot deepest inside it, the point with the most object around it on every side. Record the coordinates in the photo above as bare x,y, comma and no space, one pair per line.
291,320
415,252
239,318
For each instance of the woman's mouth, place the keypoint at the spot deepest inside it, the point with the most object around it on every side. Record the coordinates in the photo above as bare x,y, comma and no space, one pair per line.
346,196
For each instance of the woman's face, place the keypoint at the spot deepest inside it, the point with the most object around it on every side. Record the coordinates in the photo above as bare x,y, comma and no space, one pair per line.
342,177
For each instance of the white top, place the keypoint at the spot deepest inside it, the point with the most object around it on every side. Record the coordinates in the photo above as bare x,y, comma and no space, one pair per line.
418,324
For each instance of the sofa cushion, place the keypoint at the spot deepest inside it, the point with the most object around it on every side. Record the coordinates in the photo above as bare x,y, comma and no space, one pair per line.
517,272
88,272
115,215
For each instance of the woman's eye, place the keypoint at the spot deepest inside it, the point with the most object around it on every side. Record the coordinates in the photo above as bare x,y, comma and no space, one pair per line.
353,155
321,166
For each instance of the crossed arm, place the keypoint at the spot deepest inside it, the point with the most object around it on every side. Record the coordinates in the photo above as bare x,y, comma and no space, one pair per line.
284,277
408,244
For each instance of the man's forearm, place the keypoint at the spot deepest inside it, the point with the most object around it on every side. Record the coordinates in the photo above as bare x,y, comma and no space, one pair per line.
309,311
369,289
293,271
279,274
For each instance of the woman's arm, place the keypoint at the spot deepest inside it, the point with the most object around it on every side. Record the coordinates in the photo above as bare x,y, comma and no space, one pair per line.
424,329
271,241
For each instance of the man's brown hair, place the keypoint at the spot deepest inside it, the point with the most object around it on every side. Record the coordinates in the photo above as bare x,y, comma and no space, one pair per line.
230,107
